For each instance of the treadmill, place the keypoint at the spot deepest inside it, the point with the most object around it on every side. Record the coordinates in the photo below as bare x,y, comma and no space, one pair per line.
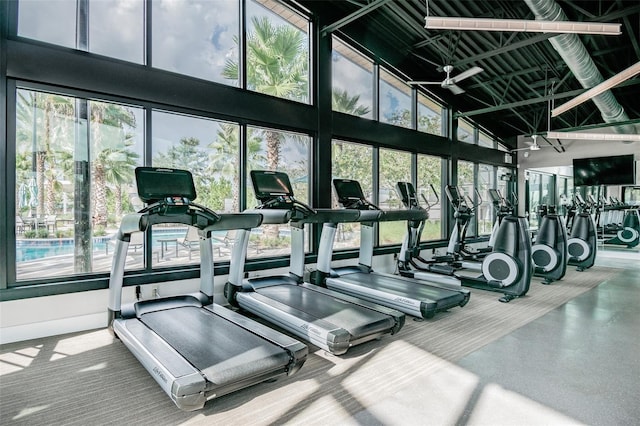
414,297
195,349
330,320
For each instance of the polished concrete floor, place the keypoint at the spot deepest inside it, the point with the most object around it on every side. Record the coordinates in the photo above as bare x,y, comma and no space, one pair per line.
579,363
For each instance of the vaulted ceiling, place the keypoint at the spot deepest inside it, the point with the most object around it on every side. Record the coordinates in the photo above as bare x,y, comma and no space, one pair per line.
523,74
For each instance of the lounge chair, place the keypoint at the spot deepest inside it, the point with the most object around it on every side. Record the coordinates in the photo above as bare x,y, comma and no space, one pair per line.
20,225
191,241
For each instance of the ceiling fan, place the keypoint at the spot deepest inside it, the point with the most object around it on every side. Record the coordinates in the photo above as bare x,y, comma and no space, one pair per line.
532,145
450,82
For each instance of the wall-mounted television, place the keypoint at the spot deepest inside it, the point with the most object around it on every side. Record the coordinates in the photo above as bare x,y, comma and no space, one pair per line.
614,170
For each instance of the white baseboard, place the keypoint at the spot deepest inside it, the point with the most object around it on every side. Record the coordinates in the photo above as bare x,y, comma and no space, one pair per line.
37,330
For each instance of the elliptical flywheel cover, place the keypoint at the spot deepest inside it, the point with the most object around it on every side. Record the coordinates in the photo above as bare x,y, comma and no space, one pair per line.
578,249
544,257
627,235
500,267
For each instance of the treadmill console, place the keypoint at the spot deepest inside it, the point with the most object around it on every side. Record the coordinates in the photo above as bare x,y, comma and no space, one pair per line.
155,184
273,190
350,195
170,192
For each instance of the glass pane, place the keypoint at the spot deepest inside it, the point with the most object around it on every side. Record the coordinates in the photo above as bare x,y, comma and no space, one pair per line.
351,161
269,149
485,140
502,147
465,132
502,184
395,166
277,51
198,38
430,173
210,150
467,184
116,29
352,81
395,100
69,204
484,212
52,21
535,188
429,116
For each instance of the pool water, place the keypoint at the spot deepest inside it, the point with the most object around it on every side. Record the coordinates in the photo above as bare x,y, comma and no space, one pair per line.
34,249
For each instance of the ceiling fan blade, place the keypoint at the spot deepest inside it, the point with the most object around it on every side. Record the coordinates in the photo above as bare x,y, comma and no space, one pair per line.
455,89
466,74
423,82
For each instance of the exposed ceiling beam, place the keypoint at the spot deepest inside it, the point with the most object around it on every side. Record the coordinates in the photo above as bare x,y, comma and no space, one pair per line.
355,15
504,49
534,101
518,104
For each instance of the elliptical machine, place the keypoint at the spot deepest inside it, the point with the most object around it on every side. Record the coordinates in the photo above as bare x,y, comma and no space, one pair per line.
629,234
549,252
506,269
582,242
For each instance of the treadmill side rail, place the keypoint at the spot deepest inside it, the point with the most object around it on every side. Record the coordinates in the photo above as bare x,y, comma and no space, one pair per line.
184,384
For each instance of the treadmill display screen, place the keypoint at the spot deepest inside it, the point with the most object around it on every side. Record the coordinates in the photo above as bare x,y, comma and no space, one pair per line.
159,183
269,184
347,189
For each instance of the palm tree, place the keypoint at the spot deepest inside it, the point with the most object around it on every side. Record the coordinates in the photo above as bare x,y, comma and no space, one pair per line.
277,65
188,155
45,119
113,162
226,159
341,101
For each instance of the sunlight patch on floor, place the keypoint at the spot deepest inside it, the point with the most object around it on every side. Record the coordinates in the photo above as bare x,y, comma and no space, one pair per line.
28,411
499,406
10,362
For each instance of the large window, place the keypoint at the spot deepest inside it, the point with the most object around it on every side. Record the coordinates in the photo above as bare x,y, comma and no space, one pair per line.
485,140
277,52
115,27
198,38
394,100
352,81
210,150
429,116
74,179
287,152
541,192
395,166
51,21
351,161
485,212
467,183
430,175
465,132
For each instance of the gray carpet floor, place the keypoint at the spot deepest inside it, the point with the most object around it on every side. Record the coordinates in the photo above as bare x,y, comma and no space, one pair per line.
90,378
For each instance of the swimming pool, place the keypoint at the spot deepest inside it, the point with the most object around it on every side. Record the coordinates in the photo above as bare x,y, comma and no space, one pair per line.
40,248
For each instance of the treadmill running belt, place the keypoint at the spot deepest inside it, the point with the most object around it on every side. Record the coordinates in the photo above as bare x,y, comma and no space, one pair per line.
221,350
405,287
357,320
